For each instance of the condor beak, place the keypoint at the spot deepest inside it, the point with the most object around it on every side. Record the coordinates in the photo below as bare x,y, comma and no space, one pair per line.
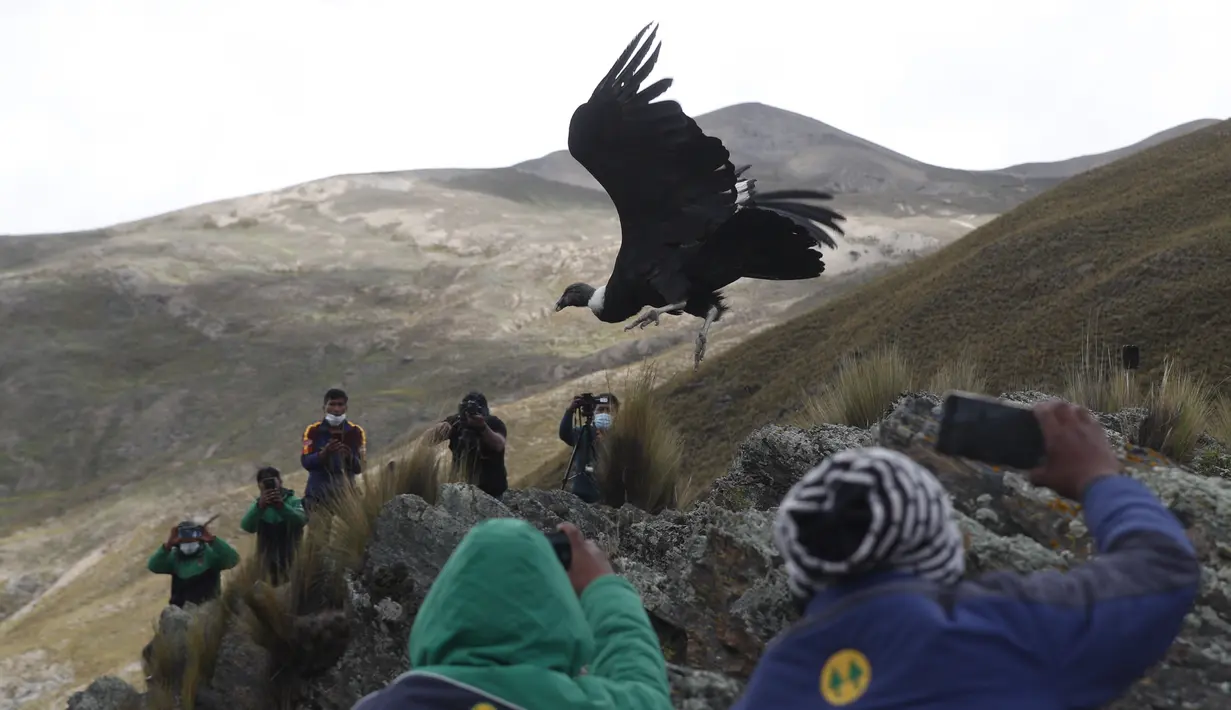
559,305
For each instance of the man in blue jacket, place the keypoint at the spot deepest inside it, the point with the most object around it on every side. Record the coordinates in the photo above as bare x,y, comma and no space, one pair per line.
334,451
872,548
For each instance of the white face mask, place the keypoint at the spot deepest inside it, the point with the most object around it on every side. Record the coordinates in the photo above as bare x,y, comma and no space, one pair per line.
602,421
335,419
190,548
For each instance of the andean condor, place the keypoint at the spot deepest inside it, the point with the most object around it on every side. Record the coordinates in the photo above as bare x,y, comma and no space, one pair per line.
690,223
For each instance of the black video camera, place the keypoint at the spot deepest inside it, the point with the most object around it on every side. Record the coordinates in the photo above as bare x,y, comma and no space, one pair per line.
586,402
563,548
469,408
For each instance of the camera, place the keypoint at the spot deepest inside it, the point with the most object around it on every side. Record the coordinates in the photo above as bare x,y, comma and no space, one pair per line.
469,408
190,532
268,484
587,402
563,548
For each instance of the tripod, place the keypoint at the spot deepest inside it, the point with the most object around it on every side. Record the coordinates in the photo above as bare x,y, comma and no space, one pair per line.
585,446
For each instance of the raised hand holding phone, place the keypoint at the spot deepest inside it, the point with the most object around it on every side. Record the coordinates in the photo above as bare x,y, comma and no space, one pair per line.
1078,452
990,430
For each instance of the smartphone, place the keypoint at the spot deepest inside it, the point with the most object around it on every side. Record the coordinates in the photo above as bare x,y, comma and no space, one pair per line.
335,435
564,548
267,484
990,430
1130,356
189,532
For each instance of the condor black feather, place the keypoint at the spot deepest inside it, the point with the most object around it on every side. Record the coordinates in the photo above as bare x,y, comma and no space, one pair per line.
690,222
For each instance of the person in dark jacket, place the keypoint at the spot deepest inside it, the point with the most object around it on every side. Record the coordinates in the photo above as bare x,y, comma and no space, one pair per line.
477,439
506,627
872,549
584,436
334,451
195,560
277,518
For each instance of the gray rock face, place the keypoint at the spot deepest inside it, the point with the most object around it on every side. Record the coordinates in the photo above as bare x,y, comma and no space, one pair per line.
106,693
774,457
687,566
712,583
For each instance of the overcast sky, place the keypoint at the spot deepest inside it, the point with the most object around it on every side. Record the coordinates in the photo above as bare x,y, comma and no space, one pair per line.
112,110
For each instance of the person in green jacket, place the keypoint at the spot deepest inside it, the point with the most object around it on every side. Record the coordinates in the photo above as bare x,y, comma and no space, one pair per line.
506,627
195,560
277,517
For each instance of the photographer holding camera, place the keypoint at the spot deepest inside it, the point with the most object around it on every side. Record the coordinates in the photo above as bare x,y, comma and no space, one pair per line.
563,631
334,450
582,427
277,518
195,560
874,553
477,439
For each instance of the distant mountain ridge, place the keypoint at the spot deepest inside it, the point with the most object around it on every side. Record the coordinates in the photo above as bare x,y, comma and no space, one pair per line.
787,149
1083,163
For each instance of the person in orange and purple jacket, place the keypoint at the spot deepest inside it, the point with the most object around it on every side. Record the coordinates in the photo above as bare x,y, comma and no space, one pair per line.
334,451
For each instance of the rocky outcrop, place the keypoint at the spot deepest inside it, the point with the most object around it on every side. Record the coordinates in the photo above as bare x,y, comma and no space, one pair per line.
106,693
711,581
769,462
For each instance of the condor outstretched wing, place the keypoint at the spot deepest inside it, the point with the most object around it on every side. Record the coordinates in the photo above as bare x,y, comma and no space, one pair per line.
656,164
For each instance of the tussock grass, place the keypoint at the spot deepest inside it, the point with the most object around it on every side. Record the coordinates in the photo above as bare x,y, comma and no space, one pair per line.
302,624
419,470
640,459
1096,380
963,372
164,670
863,388
1220,420
176,668
275,618
1180,408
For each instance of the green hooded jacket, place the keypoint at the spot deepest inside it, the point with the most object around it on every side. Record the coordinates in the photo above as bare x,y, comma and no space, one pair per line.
502,617
291,513
216,555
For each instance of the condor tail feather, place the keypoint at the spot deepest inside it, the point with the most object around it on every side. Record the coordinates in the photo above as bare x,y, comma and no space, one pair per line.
758,244
787,204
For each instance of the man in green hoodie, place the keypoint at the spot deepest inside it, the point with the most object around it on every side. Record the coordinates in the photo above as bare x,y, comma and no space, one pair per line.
195,560
506,626
277,518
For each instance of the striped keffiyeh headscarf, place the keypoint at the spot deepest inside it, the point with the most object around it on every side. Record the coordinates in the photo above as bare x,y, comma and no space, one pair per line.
867,509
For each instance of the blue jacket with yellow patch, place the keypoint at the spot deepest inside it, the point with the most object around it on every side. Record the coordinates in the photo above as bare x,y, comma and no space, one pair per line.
325,471
1045,641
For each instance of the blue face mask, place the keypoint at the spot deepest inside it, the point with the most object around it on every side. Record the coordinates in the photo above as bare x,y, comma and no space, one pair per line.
602,421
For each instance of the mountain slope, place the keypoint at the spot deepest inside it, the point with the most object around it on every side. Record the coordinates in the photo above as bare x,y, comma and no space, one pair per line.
1145,241
194,345
1068,168
787,149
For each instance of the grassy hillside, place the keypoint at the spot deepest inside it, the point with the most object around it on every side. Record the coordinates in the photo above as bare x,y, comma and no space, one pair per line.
1144,244
1082,163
